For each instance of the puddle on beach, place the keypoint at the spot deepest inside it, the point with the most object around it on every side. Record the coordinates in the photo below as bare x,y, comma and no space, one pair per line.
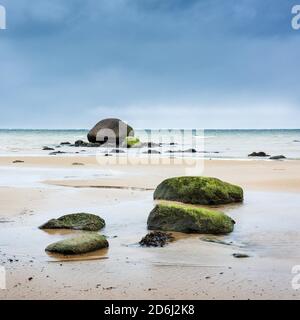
33,177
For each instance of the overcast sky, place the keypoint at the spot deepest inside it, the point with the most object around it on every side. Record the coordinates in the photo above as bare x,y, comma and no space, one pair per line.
153,63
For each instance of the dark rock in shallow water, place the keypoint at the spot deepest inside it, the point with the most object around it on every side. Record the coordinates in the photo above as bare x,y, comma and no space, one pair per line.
151,145
117,151
84,243
80,143
198,190
18,161
182,151
156,239
65,143
76,221
190,151
93,145
277,157
258,154
110,130
56,152
147,145
240,255
151,152
77,164
48,149
189,219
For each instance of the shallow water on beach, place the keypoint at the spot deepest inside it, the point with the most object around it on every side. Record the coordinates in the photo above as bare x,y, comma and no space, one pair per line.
267,225
34,177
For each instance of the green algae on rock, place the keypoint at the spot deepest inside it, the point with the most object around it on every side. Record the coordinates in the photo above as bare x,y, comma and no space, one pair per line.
131,142
76,221
189,219
198,190
86,242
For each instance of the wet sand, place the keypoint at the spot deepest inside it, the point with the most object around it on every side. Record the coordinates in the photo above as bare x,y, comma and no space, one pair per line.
264,175
41,188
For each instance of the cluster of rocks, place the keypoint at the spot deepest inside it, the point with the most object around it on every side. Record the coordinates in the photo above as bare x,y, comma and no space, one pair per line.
189,191
107,132
262,154
89,240
179,214
116,133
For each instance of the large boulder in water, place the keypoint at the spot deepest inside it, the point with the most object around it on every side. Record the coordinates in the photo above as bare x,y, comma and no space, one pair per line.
76,221
198,190
189,219
110,130
84,243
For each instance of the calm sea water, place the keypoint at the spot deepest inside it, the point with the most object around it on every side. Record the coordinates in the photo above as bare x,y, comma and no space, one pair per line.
213,143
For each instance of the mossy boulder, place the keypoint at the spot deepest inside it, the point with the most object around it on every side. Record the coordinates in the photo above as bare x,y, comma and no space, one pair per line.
76,221
189,219
198,190
131,142
87,242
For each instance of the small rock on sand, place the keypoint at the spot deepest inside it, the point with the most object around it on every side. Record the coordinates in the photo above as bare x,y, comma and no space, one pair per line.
240,255
156,239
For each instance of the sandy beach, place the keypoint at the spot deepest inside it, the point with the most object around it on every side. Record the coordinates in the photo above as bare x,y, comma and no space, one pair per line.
45,187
